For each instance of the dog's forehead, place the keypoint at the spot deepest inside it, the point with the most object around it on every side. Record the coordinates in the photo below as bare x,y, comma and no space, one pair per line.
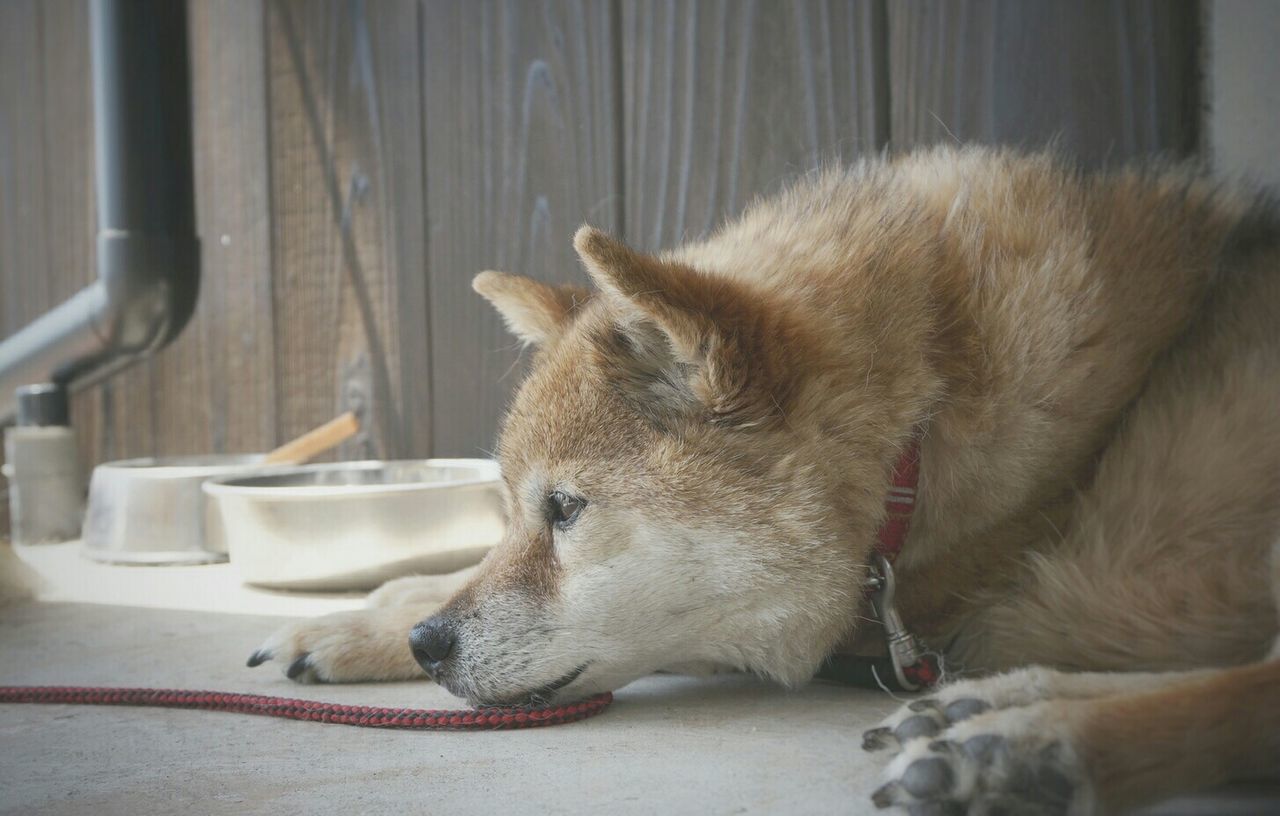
566,415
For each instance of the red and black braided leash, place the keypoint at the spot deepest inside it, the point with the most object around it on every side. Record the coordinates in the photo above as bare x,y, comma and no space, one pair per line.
480,719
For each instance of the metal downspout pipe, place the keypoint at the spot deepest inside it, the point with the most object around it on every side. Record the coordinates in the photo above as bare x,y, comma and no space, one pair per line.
148,253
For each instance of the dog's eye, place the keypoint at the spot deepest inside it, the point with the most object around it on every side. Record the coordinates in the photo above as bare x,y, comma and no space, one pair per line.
564,508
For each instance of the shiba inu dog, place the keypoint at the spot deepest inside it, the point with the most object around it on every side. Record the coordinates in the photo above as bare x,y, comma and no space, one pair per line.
696,470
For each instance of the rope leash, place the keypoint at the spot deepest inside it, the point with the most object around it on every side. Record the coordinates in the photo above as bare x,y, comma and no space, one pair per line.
481,719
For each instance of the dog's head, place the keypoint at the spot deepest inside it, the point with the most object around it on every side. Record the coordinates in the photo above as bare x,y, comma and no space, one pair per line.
669,499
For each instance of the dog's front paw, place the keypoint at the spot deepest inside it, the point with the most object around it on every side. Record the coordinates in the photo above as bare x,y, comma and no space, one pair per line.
1015,761
345,647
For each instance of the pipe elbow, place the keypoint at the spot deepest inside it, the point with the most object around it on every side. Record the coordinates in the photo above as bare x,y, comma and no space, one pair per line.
149,284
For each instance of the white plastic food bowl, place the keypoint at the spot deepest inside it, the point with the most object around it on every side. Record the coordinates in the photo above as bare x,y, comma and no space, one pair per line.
354,525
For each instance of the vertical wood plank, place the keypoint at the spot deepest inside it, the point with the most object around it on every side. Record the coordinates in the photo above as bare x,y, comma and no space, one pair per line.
21,152
521,148
71,207
347,208
726,100
22,226
23,223
231,342
1105,81
47,212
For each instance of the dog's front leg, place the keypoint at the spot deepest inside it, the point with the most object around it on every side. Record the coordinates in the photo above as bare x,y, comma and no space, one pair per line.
419,589
959,700
1090,754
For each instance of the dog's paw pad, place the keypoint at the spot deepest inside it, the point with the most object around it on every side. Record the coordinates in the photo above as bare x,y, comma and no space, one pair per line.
964,708
913,727
983,748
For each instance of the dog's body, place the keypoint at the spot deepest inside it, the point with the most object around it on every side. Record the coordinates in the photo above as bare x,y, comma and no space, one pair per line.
697,465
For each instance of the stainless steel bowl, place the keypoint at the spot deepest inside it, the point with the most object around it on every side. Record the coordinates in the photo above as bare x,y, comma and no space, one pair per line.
152,511
354,525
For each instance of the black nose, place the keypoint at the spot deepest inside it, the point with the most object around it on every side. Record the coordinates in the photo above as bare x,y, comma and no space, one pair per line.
432,642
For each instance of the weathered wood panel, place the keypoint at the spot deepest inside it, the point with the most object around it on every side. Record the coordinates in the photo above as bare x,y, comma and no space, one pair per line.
348,221
23,248
521,147
47,209
1107,81
231,341
727,99
47,212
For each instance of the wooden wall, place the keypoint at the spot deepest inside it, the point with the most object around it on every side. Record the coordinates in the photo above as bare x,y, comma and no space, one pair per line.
1243,89
359,160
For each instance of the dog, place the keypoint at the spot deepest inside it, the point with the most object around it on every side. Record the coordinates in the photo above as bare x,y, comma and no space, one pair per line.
695,470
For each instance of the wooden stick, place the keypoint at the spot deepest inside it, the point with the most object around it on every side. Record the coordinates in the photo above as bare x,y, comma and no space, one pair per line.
314,442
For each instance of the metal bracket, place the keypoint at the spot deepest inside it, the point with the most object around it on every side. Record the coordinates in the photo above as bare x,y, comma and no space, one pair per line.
912,666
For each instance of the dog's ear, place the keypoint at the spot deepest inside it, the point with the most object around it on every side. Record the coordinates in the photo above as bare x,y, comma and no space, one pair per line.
726,349
533,311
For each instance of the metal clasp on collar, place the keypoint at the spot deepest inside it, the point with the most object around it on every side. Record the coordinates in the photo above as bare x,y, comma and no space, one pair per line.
914,668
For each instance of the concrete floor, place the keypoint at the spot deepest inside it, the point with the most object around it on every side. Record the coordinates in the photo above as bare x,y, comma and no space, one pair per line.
668,744
725,745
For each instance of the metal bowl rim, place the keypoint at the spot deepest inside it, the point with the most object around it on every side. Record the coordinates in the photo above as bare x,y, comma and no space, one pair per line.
167,467
227,486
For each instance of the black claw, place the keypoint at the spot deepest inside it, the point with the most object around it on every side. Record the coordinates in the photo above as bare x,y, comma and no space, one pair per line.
878,738
928,778
885,795
258,658
921,725
964,709
298,666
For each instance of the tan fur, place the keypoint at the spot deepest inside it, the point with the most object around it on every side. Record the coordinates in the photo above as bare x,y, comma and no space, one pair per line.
1092,361
1202,732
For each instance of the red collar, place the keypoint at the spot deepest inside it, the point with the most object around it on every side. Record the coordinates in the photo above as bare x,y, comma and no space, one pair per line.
900,504
914,667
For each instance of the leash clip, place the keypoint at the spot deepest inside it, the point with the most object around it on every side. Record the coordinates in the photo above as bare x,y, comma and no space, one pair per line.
914,668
